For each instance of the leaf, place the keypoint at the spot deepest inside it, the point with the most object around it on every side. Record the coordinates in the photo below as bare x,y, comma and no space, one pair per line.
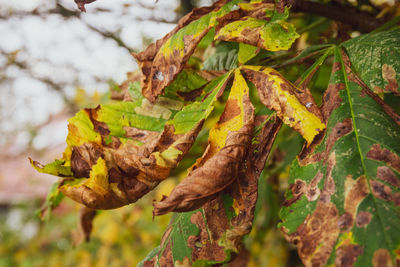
121,154
294,107
53,200
85,225
56,168
274,34
161,62
226,150
342,207
246,52
211,234
375,58
225,60
185,85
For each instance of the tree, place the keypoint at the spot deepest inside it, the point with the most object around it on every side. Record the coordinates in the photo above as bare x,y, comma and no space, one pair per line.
216,76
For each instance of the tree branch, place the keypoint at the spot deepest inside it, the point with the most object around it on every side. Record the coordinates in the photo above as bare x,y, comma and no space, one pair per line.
359,20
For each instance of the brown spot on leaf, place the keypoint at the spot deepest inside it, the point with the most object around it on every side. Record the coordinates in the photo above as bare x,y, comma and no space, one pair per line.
100,127
331,99
339,130
380,190
139,134
114,175
346,255
232,109
204,247
192,95
318,234
83,158
336,66
363,218
299,188
396,198
386,174
382,154
166,259
345,222
389,75
354,192
382,258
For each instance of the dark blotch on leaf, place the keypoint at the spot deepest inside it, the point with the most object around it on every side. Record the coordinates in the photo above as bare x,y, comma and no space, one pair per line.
363,218
346,255
381,190
345,222
83,158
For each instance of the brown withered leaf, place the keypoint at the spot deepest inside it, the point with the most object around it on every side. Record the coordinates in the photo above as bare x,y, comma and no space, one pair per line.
120,151
121,176
161,62
294,107
211,233
85,224
220,164
216,174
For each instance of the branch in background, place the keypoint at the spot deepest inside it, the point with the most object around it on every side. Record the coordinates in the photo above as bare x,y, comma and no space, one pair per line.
359,20
110,35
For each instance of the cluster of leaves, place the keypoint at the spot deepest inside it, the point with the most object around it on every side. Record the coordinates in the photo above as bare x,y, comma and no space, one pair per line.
342,205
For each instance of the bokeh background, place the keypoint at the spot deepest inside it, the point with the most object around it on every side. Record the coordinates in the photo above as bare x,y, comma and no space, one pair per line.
55,60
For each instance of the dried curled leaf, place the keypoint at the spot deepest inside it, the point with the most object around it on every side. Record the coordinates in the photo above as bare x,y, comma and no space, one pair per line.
216,174
342,207
85,225
220,164
162,61
258,24
212,234
294,107
123,150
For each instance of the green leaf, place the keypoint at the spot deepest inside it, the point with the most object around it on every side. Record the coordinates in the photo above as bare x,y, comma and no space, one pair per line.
246,52
375,57
193,113
186,82
56,168
273,35
342,204
53,199
224,58
309,51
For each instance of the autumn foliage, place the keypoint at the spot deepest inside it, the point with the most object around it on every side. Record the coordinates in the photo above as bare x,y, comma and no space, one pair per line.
217,73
